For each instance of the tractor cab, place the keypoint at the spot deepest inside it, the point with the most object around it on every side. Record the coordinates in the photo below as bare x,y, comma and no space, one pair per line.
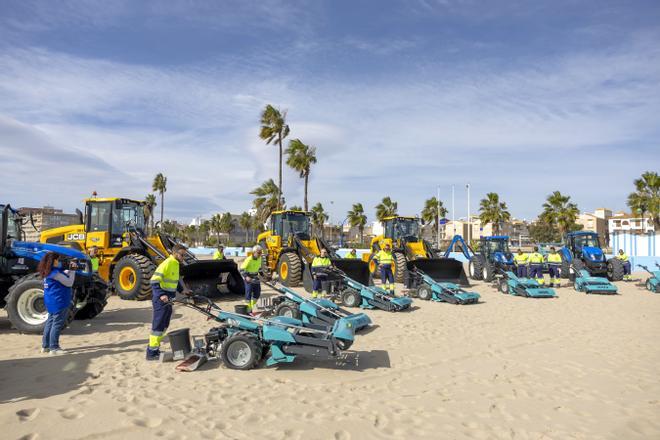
10,227
108,220
581,243
288,224
401,229
496,248
582,250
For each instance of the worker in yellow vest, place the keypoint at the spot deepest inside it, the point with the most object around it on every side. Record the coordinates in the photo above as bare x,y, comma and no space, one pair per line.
165,283
318,264
520,260
94,258
554,267
250,269
626,265
385,261
219,253
536,266
352,255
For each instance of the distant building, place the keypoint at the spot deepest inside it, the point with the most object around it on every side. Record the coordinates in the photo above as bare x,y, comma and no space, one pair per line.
45,218
631,224
593,223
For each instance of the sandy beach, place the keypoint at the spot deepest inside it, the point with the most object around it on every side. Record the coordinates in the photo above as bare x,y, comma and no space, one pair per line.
574,367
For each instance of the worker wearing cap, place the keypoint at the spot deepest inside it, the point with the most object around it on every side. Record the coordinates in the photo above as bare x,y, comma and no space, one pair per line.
352,255
385,261
94,258
520,260
318,264
536,265
626,265
250,270
219,253
554,267
165,283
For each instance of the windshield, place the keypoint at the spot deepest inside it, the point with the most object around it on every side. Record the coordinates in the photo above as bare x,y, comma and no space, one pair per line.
296,224
13,225
586,240
406,229
497,246
131,213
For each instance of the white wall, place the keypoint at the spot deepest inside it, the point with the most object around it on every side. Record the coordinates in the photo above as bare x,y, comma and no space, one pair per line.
640,245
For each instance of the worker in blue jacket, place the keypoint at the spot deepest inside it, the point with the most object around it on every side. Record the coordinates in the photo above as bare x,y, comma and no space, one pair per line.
58,297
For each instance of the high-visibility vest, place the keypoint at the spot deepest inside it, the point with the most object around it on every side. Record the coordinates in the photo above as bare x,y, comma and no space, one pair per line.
535,258
321,262
350,256
554,258
623,257
384,257
217,255
167,274
251,265
95,264
521,259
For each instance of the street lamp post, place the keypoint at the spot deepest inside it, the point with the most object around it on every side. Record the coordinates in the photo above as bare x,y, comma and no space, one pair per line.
468,212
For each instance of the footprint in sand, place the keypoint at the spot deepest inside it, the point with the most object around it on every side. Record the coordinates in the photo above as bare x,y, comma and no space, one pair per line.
71,414
342,435
32,436
25,415
153,422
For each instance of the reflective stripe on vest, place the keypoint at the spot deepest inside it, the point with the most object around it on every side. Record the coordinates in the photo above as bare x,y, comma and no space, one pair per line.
251,265
320,262
554,258
521,258
384,257
535,258
167,274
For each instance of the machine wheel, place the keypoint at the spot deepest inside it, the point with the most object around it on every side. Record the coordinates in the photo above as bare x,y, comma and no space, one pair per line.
98,301
649,286
476,268
503,286
578,265
424,292
488,273
25,304
289,269
373,267
565,267
288,309
577,287
344,344
131,276
351,298
241,351
400,267
614,269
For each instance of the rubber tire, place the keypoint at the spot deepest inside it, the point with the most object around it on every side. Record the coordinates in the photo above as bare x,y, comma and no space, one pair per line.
255,346
476,268
615,269
565,268
144,269
288,306
487,273
344,344
649,286
375,266
264,258
424,292
578,265
351,298
100,293
503,286
400,267
294,275
28,282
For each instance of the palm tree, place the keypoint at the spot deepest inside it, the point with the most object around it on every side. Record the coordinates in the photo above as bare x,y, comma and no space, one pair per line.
266,200
647,196
227,224
160,186
149,205
245,222
295,208
257,226
215,226
319,217
205,230
433,210
491,210
274,128
560,211
386,208
357,219
301,158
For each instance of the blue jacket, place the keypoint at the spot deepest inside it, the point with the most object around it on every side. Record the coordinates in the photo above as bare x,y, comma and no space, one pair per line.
57,296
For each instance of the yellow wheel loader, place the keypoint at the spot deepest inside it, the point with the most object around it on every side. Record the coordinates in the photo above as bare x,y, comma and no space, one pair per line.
128,257
409,250
289,249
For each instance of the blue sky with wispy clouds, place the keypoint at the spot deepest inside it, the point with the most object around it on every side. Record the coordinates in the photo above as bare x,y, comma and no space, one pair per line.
399,97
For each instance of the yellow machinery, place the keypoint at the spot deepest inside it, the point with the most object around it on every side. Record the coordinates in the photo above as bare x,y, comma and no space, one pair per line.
409,250
289,249
128,258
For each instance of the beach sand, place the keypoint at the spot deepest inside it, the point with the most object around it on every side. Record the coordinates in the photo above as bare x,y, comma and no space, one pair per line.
574,367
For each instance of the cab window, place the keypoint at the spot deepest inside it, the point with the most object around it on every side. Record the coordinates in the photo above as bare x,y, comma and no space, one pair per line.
99,216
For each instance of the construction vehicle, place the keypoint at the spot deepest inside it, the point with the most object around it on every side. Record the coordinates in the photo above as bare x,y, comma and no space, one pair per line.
510,284
426,288
492,257
411,251
21,287
289,249
588,284
582,250
128,257
653,282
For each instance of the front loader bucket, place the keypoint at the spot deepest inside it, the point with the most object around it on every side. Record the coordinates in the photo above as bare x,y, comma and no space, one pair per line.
210,277
356,270
444,270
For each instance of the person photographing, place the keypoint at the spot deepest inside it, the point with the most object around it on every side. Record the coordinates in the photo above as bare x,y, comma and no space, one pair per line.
58,296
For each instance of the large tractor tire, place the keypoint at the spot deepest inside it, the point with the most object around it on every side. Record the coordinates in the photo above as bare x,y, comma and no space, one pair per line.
96,301
25,304
476,268
373,267
488,273
565,267
289,269
400,267
241,351
615,269
131,276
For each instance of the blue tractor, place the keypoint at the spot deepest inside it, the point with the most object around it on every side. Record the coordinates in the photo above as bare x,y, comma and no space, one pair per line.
21,288
492,257
582,251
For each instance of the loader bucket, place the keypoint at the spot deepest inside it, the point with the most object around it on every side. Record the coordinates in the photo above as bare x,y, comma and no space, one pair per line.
210,277
357,270
444,270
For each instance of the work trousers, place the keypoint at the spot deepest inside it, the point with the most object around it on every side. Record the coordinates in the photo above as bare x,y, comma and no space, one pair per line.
54,325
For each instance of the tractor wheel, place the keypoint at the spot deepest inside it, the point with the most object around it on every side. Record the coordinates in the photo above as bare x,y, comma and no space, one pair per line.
488,273
424,292
288,309
241,351
476,268
289,269
351,298
503,286
131,275
373,267
400,268
578,265
615,269
25,304
96,300
264,257
565,267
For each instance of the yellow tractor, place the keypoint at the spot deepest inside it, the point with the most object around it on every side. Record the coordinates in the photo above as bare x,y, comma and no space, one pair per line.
289,249
409,250
128,258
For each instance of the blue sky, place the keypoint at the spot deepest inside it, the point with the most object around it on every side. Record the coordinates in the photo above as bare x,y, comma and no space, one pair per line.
399,97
